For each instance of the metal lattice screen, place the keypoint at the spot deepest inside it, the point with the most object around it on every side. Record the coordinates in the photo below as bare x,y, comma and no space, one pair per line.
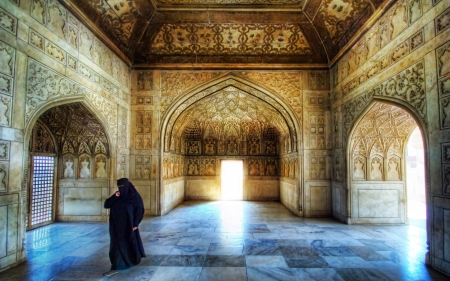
42,193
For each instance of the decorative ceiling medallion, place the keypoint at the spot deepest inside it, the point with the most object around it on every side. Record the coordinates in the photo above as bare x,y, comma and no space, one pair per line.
340,15
230,39
234,2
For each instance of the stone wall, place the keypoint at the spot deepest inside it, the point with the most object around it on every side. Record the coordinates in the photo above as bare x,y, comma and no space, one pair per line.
401,60
302,98
49,58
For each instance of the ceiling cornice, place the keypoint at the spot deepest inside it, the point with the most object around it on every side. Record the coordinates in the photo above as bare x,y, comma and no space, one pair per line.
362,31
94,29
230,66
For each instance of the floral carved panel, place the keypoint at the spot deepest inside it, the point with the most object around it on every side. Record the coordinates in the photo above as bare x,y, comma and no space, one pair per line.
44,85
230,39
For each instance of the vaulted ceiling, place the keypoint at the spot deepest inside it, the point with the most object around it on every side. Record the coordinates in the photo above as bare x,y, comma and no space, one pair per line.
202,32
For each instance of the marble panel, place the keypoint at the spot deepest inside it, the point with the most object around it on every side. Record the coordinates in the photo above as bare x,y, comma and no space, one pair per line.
316,274
319,198
447,235
13,230
378,204
270,273
261,189
3,231
224,261
223,274
201,188
82,202
171,273
265,261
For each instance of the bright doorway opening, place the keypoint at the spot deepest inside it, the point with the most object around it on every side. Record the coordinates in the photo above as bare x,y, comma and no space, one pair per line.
232,179
415,179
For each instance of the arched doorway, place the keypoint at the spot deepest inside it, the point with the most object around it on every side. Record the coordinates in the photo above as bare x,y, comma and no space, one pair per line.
229,119
74,184
376,154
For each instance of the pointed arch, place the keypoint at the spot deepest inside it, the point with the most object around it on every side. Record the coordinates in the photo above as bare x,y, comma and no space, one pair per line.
174,112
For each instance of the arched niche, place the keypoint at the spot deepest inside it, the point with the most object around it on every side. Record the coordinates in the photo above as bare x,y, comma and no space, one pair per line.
229,118
381,132
81,136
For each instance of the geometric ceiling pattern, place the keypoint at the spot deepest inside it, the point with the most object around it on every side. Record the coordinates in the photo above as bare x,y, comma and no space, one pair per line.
383,125
226,31
230,112
74,123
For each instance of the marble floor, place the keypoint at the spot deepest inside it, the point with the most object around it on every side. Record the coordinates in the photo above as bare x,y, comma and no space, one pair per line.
232,240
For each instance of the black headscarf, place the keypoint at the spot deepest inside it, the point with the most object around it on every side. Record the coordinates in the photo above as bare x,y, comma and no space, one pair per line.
128,192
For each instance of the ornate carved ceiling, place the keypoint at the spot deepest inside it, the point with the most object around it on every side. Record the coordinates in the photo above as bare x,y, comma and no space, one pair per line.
74,123
201,32
230,112
382,125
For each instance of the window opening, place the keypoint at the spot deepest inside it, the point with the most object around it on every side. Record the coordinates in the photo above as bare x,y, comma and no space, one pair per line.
42,190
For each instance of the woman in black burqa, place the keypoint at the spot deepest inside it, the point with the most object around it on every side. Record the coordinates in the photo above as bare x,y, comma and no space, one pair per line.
126,213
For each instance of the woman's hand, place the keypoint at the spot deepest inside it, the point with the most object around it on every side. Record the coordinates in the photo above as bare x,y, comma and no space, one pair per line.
134,228
117,193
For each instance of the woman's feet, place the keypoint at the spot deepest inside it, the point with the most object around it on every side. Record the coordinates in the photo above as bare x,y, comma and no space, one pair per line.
110,273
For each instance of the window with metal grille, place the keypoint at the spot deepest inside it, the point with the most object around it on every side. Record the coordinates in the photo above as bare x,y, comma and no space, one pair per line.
42,190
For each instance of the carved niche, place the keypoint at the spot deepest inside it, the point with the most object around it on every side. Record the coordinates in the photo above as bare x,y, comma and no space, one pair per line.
359,167
376,168
253,167
193,167
85,166
57,18
144,80
394,168
271,168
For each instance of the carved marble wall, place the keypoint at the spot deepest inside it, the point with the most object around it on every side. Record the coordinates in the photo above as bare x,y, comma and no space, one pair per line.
48,58
401,60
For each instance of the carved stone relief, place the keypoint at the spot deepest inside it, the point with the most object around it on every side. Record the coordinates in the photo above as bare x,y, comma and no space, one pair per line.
399,19
338,16
100,161
415,10
394,168
225,39
317,167
288,85
8,22
143,129
318,80
443,59
316,130
57,18
4,175
446,153
445,112
84,171
5,110
446,178
359,168
68,161
443,21
41,139
39,10
4,150
144,80
7,59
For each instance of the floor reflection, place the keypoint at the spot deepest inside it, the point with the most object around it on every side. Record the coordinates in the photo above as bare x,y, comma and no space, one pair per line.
232,240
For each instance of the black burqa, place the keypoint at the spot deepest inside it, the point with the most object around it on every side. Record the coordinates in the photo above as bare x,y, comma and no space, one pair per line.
126,212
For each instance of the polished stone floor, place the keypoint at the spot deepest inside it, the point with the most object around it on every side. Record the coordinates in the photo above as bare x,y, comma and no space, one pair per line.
232,240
